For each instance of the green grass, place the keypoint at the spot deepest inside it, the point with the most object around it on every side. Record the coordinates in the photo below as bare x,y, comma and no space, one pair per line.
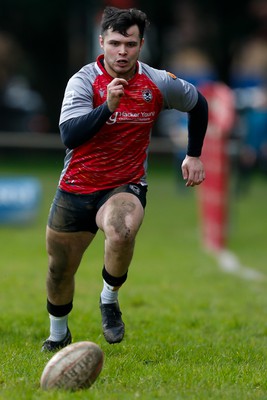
192,331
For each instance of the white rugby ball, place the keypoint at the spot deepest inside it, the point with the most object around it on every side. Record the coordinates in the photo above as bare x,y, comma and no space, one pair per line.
74,367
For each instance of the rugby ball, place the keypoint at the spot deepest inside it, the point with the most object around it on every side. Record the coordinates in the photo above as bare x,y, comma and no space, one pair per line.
74,367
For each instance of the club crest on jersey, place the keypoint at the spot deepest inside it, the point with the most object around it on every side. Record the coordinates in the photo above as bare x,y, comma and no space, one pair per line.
147,95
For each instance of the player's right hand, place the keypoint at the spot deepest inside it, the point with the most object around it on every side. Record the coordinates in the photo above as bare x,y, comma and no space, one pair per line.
115,90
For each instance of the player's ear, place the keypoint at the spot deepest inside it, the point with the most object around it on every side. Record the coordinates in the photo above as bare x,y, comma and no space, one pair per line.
142,42
101,41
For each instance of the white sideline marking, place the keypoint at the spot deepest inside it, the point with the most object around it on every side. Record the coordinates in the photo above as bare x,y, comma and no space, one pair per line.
229,263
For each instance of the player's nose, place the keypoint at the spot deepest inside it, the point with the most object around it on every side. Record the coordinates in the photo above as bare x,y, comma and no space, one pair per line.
122,49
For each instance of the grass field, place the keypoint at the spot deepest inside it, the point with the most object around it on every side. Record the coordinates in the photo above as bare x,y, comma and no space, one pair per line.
192,331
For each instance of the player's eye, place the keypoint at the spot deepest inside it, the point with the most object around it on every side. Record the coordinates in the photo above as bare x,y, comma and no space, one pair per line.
132,44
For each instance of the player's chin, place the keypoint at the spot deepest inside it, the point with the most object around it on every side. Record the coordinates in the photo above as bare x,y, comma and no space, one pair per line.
124,69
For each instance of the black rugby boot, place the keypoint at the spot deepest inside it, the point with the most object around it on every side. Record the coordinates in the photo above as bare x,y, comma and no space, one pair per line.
49,345
113,326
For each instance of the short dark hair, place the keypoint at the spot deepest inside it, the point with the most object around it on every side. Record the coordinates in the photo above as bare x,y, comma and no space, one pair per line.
120,20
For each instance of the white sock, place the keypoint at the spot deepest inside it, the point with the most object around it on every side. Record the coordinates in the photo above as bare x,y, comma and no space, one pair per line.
109,293
58,328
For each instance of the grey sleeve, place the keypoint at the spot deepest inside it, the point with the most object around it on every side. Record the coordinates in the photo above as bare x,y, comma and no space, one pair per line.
180,95
78,97
177,93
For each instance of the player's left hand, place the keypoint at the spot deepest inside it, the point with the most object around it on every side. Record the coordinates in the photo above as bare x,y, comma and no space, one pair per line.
193,171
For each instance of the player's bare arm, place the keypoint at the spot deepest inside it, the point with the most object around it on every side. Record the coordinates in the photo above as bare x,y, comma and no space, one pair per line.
115,90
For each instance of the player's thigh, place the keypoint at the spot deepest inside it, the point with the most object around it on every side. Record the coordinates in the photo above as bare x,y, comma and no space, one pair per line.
120,211
65,249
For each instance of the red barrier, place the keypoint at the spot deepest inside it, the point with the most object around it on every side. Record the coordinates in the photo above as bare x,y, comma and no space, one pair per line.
213,194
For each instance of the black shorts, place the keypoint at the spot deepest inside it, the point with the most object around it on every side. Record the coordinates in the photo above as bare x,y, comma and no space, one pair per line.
71,212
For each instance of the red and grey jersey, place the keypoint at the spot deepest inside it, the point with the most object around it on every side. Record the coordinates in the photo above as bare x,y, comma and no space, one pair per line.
117,153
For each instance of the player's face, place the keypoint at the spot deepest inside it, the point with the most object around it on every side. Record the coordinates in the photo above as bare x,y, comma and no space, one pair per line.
121,52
